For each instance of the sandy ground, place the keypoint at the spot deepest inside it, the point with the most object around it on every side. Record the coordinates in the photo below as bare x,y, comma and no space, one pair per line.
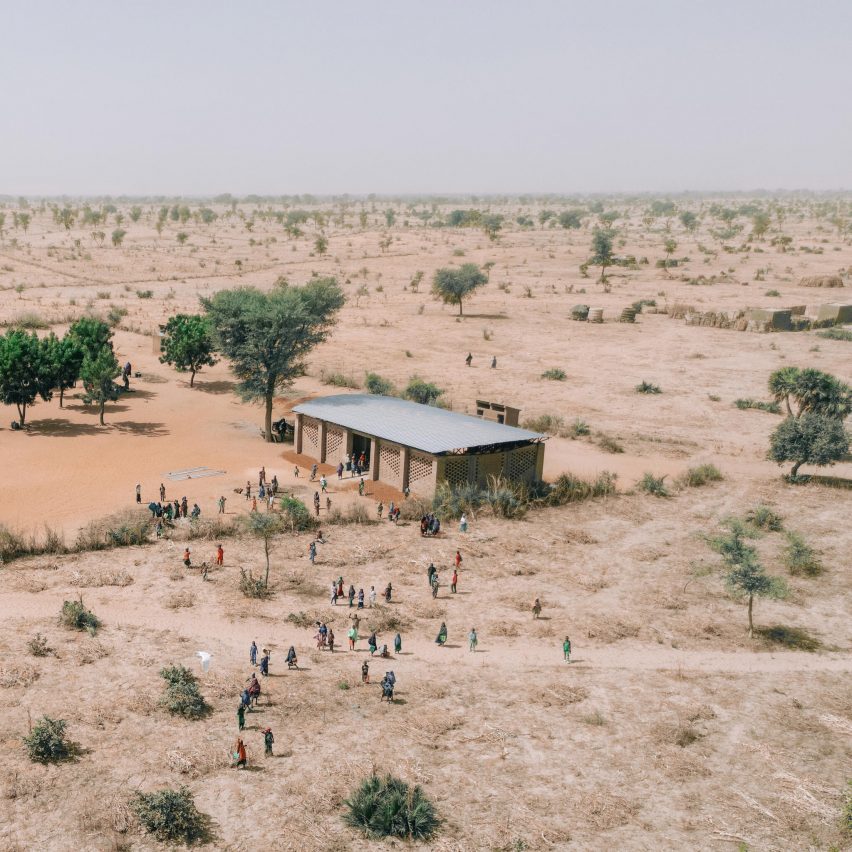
519,750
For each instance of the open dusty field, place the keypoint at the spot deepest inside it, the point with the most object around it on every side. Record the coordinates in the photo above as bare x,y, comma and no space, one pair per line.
669,730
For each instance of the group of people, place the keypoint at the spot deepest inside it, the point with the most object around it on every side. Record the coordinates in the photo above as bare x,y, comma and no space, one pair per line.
173,510
393,511
354,464
338,594
430,525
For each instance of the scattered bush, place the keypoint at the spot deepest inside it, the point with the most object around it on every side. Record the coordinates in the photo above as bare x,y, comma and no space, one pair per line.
120,530
555,373
418,390
295,513
170,815
578,428
47,743
836,333
38,646
145,294
799,557
376,384
75,616
251,586
647,387
388,807
182,697
354,513
571,489
790,637
29,321
339,380
546,424
14,545
654,485
764,518
772,293
609,444
770,407
701,475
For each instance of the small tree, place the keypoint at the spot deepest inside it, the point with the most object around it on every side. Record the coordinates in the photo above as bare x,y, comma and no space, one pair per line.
602,251
492,223
182,697
390,217
135,213
181,237
670,247
187,344
812,391
570,218
75,616
118,236
808,439
170,815
745,576
67,355
689,220
321,244
782,384
27,370
452,286
760,223
98,375
376,384
264,526
47,743
418,390
92,334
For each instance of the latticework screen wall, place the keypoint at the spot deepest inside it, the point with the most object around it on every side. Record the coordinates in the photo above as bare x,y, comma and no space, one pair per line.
455,470
310,438
333,445
419,468
521,463
389,462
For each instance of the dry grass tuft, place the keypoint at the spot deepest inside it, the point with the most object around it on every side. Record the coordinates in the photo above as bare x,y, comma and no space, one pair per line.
17,677
603,811
179,600
196,761
95,578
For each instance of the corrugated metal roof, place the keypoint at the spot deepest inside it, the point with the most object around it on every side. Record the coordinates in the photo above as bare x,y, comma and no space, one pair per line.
423,427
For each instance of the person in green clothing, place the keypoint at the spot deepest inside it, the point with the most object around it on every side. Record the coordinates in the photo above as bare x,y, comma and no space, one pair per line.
472,639
566,650
442,634
241,717
397,643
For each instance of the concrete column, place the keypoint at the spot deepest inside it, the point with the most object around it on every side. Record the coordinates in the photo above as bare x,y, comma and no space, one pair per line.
374,458
297,435
347,442
539,463
404,468
321,439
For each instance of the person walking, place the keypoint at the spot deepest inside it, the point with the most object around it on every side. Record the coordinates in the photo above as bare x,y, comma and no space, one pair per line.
372,596
313,472
494,363
241,717
397,643
442,635
360,599
340,470
254,504
239,754
162,493
253,653
264,663
312,552
372,643
435,585
248,489
334,594
365,672
458,559
379,509
469,359
261,476
330,640
566,650
352,635
186,560
454,581
463,523
388,592
430,572
536,608
138,492
268,740
220,555
351,596
221,502
472,640
361,487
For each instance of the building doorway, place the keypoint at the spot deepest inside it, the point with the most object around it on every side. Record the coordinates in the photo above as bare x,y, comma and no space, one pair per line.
361,444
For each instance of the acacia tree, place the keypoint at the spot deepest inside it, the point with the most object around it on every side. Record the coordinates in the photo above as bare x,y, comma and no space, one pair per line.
452,286
265,526
266,336
98,374
26,370
760,223
808,439
689,220
745,575
670,247
602,248
187,344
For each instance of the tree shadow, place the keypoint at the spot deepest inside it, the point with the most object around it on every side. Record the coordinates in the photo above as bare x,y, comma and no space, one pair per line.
220,387
53,427
147,430
487,316
139,393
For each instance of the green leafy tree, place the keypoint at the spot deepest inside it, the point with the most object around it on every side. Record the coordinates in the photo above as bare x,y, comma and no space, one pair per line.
808,439
67,355
390,217
66,217
376,384
47,742
321,244
571,219
135,213
545,216
602,251
26,370
607,219
266,336
782,385
760,223
745,575
492,224
187,344
452,286
182,237
2,224
264,526
689,220
98,374
24,220
170,815
118,236
92,334
812,391
418,390
670,247
362,219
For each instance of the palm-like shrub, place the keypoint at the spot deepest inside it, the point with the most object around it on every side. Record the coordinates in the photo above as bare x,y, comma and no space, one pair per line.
388,807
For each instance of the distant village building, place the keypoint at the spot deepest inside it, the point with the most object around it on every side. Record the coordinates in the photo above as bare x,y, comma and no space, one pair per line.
408,445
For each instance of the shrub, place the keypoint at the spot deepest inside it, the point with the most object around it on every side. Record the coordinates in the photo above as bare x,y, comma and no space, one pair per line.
772,293
170,815
414,508
578,428
790,637
555,373
571,489
339,380
654,485
46,742
547,424
388,807
120,530
354,513
609,444
701,475
251,586
145,294
376,384
799,557
38,646
836,333
647,387
419,390
764,518
115,315
182,697
295,513
770,407
75,616
30,321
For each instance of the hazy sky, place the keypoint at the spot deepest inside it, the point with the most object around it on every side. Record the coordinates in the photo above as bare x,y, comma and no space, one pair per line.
439,96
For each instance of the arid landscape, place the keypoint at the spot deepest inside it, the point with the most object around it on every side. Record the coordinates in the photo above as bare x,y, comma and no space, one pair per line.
669,729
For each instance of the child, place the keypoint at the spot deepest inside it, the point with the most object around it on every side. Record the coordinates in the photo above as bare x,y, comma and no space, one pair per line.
268,739
365,672
566,650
